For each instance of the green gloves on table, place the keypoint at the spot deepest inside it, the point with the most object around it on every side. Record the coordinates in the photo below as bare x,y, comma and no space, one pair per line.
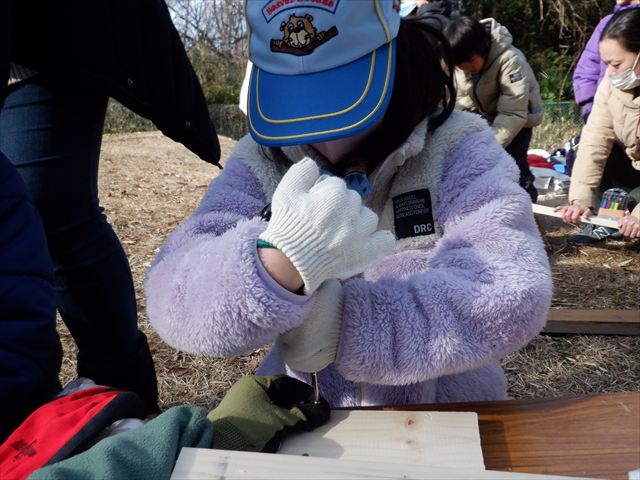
258,411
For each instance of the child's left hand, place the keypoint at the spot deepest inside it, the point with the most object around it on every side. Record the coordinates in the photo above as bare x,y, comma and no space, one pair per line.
629,226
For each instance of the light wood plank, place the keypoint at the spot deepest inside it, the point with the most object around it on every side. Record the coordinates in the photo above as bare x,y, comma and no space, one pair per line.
549,212
437,439
601,322
209,464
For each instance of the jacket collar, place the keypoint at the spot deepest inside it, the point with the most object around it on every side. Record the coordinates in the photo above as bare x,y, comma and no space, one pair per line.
410,148
382,176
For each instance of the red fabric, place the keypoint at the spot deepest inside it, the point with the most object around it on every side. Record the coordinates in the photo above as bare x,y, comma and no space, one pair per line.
538,161
48,429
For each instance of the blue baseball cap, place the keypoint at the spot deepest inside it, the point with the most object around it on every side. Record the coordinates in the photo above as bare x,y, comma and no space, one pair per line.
322,69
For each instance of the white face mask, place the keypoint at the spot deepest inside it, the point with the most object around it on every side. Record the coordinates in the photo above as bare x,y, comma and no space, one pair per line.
628,79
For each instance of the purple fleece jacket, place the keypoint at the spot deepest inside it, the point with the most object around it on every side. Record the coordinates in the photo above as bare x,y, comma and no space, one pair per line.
590,69
424,325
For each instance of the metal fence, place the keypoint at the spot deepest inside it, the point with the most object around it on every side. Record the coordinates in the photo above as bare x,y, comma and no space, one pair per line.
565,111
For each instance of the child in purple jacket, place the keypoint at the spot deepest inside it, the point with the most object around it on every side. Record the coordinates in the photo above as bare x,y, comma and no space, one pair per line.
398,256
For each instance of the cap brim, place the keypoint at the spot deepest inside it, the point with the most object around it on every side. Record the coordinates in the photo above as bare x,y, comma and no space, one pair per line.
318,107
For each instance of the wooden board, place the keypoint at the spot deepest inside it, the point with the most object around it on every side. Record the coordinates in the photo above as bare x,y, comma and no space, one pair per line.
589,436
437,439
209,464
600,322
549,211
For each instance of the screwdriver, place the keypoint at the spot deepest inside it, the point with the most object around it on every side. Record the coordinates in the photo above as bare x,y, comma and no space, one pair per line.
356,179
315,398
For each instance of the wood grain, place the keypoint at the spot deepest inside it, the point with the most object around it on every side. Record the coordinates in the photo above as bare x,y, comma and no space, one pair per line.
436,439
600,322
592,436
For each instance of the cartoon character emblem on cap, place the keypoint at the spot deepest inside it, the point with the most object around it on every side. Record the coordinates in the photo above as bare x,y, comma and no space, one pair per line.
300,36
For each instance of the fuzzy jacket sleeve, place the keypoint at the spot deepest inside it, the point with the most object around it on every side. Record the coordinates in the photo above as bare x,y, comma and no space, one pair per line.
483,292
205,292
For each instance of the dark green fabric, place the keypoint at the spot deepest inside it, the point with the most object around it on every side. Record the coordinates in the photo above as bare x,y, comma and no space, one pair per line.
254,415
147,452
258,411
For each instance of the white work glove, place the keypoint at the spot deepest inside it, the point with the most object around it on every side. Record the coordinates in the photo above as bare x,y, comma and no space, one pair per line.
323,228
313,345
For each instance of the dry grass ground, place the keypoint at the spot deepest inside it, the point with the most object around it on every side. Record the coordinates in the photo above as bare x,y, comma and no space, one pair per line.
148,184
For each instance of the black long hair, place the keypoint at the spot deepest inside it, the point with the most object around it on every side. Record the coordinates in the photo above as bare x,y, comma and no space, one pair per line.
423,87
624,26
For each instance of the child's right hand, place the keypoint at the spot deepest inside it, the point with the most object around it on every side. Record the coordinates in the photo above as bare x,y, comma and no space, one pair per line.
323,228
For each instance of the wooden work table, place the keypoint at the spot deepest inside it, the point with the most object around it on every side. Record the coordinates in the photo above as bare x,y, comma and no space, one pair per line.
592,436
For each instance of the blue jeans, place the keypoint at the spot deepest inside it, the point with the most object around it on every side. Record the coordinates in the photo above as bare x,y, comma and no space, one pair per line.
53,138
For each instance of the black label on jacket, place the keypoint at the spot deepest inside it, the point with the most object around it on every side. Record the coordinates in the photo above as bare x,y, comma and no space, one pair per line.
412,214
515,77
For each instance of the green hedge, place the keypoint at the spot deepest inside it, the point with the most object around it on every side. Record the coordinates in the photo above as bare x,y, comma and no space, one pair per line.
561,121
228,119
122,120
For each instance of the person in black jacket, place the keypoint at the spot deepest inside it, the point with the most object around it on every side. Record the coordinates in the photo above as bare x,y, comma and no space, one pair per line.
65,60
30,352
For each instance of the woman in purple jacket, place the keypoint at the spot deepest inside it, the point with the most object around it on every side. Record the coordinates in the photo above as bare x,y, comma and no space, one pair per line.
590,70
397,255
